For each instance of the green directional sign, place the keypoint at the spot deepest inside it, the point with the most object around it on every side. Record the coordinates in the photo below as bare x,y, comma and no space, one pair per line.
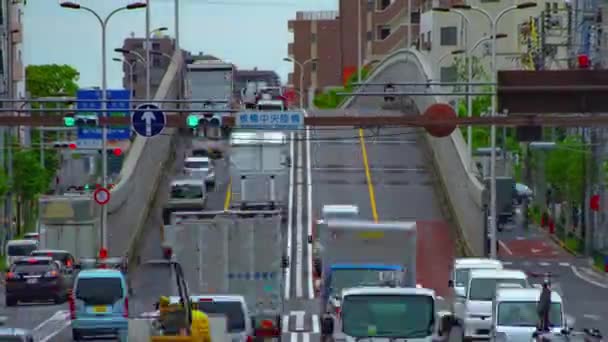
69,121
192,121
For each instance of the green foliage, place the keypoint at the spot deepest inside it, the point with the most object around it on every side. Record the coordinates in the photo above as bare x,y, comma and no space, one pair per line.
564,168
51,80
462,72
3,183
30,178
330,98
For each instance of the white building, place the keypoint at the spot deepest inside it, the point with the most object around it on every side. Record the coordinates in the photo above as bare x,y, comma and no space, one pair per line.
443,32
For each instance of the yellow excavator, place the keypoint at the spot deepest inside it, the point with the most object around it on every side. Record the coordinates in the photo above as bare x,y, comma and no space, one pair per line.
180,322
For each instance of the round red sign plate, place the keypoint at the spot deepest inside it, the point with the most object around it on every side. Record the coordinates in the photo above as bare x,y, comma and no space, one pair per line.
439,112
101,196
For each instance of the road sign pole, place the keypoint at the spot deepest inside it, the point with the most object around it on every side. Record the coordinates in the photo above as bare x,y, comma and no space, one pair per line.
104,136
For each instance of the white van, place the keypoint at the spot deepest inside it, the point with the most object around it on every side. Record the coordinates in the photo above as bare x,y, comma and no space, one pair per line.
481,291
16,249
462,270
514,315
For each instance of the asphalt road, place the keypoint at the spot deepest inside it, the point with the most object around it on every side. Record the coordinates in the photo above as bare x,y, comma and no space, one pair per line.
585,292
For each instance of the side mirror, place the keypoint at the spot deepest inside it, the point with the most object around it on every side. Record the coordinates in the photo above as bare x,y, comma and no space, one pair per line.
285,261
460,292
309,238
450,283
76,266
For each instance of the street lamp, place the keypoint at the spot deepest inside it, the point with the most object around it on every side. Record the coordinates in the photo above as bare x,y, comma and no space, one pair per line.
493,24
104,105
142,60
131,72
301,66
450,53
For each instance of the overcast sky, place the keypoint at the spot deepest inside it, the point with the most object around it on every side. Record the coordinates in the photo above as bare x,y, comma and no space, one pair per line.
248,33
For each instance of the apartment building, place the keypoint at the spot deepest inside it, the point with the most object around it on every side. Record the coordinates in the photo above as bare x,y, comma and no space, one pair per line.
442,33
135,62
332,39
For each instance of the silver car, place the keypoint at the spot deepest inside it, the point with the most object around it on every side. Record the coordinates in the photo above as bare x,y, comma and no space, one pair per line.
200,166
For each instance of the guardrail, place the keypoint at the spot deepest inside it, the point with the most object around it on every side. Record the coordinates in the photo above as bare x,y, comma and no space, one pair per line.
463,190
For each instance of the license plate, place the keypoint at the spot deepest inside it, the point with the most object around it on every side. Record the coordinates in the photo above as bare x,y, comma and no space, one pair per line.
32,281
100,308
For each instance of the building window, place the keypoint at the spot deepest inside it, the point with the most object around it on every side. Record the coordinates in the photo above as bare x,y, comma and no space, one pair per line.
428,39
313,38
370,5
415,17
370,36
449,36
134,78
1,62
155,46
313,66
383,4
448,74
156,62
383,32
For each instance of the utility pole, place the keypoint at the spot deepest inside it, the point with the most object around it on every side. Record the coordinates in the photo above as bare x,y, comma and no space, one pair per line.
9,130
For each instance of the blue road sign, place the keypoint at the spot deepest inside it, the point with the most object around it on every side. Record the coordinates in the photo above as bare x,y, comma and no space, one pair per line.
120,109
270,120
148,120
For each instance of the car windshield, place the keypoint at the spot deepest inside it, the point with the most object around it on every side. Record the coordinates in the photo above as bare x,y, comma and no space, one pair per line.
38,268
99,291
196,164
64,258
232,310
524,314
461,277
200,153
484,289
345,278
404,316
187,191
21,250
270,107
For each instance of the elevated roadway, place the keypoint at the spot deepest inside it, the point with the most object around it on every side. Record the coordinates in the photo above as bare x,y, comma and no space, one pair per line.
135,190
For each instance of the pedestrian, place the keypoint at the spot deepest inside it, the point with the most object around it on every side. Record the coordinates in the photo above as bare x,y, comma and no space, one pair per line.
544,306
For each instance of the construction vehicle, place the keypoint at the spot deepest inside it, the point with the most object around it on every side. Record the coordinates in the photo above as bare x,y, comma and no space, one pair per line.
234,254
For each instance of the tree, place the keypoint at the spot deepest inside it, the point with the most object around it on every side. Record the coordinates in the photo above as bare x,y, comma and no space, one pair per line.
30,179
51,80
462,72
564,168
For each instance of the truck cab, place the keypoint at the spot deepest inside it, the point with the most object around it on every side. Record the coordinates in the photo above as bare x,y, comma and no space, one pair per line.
385,314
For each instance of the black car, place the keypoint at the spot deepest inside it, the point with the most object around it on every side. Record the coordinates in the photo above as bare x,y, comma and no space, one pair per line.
36,278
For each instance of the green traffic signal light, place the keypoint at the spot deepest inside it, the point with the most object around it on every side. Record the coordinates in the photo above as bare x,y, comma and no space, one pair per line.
69,121
192,121
87,187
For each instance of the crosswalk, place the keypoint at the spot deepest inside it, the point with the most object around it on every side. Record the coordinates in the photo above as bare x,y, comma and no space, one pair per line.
301,326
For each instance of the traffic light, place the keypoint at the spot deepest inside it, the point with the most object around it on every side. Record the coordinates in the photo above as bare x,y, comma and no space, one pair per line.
114,151
80,120
65,144
583,61
206,119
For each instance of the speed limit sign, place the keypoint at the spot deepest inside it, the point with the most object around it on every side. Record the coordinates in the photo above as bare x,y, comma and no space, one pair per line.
101,196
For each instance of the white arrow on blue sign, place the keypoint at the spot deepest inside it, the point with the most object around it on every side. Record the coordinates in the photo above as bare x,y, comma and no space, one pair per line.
148,120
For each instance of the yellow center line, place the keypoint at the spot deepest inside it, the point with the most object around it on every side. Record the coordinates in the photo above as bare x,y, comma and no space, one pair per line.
228,196
368,176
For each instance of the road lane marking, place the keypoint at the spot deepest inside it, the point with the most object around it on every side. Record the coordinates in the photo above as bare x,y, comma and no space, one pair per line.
56,332
57,316
294,337
305,337
378,168
368,176
592,317
228,195
544,264
315,324
565,264
289,220
285,324
299,228
586,278
504,246
311,292
299,319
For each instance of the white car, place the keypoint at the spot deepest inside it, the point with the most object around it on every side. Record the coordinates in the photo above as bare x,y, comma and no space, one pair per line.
16,249
200,166
514,314
481,292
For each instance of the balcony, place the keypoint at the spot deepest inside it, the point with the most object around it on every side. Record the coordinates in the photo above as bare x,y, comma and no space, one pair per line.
390,13
394,40
17,37
317,15
290,26
290,50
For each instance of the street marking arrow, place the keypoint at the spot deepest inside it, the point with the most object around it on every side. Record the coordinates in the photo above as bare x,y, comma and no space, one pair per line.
299,319
148,117
534,250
